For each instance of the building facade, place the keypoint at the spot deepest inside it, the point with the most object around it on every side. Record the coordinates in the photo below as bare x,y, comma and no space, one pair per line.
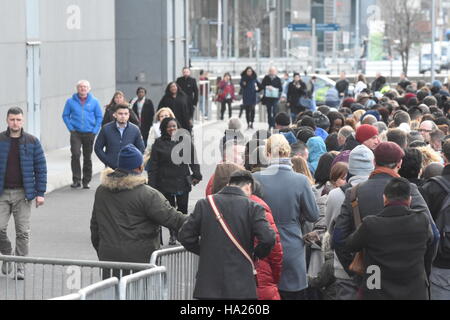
46,46
151,44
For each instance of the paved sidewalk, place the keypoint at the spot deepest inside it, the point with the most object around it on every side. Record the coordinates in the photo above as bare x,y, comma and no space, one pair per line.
59,172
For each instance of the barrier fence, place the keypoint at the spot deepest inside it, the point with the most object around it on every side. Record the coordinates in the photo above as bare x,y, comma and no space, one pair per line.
145,285
49,278
103,290
181,267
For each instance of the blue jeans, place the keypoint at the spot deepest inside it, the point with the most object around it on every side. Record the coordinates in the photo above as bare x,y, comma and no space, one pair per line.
272,109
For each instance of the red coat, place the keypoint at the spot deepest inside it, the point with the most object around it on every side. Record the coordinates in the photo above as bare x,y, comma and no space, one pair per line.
269,268
225,88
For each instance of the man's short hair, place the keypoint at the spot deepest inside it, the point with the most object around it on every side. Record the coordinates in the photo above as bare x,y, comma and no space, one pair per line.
398,136
398,189
241,178
298,148
83,82
121,106
14,111
401,117
430,101
234,124
346,131
141,88
437,135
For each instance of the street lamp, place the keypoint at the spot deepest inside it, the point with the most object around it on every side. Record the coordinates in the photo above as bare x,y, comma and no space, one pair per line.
433,37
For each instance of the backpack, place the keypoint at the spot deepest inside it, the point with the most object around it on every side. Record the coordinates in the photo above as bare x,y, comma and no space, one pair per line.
443,220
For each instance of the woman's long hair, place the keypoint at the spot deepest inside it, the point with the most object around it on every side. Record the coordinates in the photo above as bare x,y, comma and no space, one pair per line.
179,90
112,104
301,166
244,73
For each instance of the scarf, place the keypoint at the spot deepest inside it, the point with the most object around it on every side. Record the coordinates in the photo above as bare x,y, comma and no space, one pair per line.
380,170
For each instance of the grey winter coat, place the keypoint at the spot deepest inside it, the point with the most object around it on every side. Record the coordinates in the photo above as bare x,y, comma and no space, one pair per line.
291,199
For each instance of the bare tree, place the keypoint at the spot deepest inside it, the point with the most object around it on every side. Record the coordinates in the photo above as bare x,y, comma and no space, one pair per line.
402,18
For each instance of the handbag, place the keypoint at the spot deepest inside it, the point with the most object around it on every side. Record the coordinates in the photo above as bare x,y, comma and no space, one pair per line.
357,265
230,234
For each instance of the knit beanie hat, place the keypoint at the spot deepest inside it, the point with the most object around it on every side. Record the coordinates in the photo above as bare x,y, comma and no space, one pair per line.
130,158
388,152
360,161
365,132
374,113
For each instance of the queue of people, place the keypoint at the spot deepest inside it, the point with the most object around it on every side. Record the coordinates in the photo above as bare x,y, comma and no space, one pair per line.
343,202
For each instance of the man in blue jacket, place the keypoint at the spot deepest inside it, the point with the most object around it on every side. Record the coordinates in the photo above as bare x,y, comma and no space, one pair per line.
83,118
116,135
23,178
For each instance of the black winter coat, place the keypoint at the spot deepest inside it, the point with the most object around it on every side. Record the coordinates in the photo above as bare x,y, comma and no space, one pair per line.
399,241
294,94
189,87
166,176
224,272
434,197
146,118
370,199
276,83
179,107
126,218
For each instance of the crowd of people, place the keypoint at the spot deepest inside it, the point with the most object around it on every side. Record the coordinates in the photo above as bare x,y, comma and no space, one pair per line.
358,194
344,201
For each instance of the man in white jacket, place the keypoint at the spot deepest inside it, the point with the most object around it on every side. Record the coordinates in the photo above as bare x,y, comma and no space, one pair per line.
360,166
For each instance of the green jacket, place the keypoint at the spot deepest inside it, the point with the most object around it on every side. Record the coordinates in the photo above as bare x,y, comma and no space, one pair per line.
126,218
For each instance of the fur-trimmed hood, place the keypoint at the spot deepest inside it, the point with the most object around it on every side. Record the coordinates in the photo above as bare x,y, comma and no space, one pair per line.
119,181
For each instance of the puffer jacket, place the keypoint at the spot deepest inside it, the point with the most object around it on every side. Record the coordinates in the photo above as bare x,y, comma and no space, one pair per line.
269,268
32,162
85,118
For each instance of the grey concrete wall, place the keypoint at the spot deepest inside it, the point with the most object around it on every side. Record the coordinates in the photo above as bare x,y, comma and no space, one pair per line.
71,55
66,56
146,55
12,57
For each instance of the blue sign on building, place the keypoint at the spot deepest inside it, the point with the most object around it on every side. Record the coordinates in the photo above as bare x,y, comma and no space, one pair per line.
319,27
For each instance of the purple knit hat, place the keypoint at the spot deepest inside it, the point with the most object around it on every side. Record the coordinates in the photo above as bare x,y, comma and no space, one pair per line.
341,157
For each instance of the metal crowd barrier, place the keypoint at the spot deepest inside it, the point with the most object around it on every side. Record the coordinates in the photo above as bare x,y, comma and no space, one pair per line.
145,285
73,296
181,267
103,290
49,278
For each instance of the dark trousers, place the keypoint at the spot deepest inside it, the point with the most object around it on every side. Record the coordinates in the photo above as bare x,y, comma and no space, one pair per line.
80,140
272,109
295,295
180,203
241,111
250,114
224,106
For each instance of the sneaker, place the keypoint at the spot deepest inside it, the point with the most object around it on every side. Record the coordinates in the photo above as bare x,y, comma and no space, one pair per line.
7,268
86,186
75,185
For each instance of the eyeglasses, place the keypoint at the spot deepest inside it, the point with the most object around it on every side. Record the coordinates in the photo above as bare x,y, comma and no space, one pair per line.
424,130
